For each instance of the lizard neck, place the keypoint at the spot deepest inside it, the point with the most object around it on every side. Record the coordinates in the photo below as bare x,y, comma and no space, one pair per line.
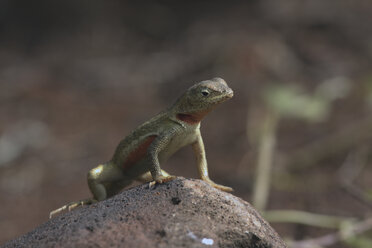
192,118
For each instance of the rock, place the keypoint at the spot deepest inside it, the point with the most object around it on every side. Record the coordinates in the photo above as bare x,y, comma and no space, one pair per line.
180,213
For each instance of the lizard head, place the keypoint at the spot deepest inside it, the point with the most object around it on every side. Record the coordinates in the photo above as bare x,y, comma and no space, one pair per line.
209,93
203,97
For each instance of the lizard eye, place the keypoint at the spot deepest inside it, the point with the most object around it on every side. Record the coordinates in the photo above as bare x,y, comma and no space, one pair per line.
205,92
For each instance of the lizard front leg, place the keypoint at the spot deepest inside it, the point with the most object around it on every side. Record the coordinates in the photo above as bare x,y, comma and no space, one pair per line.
147,177
198,147
153,155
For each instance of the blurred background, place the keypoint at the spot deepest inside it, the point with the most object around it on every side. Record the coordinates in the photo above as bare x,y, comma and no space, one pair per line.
77,76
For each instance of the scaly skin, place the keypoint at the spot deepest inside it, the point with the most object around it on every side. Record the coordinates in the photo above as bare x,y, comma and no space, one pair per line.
139,155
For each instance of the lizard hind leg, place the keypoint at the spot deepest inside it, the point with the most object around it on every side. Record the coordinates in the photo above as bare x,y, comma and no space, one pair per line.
106,180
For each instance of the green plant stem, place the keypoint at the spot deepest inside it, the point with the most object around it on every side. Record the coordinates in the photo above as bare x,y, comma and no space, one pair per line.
305,218
266,151
334,238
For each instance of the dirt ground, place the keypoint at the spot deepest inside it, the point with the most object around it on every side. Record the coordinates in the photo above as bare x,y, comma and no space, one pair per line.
77,76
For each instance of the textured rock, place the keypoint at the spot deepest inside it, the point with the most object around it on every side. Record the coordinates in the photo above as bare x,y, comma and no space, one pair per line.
181,213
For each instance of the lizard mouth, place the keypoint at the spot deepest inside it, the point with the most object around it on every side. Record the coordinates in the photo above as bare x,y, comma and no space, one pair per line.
230,94
223,97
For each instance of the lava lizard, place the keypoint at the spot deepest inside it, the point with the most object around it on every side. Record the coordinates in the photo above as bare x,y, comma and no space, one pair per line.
139,155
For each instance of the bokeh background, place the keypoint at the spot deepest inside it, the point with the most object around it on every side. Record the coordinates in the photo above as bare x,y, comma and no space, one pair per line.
77,76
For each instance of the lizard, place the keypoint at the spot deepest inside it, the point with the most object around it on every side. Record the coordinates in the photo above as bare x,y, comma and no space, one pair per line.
139,155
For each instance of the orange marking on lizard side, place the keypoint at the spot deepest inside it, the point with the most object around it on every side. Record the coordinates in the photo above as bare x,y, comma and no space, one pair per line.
138,153
193,118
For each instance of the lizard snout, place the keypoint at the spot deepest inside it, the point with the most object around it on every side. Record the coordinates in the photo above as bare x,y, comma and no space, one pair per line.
229,92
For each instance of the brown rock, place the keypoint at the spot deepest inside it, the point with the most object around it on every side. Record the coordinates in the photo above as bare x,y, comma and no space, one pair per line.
181,213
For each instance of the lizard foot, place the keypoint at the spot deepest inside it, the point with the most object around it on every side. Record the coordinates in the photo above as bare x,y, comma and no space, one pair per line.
71,206
162,179
218,186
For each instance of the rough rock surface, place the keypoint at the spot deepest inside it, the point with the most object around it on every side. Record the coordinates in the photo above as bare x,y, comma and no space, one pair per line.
181,213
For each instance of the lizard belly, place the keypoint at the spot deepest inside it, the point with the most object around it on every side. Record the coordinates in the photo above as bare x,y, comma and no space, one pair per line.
175,144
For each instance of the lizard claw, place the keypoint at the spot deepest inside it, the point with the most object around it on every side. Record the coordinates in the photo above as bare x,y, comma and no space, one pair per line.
223,188
152,184
161,179
164,179
71,206
217,186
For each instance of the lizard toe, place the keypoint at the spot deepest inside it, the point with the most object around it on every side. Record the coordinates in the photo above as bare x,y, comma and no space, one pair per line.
165,179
